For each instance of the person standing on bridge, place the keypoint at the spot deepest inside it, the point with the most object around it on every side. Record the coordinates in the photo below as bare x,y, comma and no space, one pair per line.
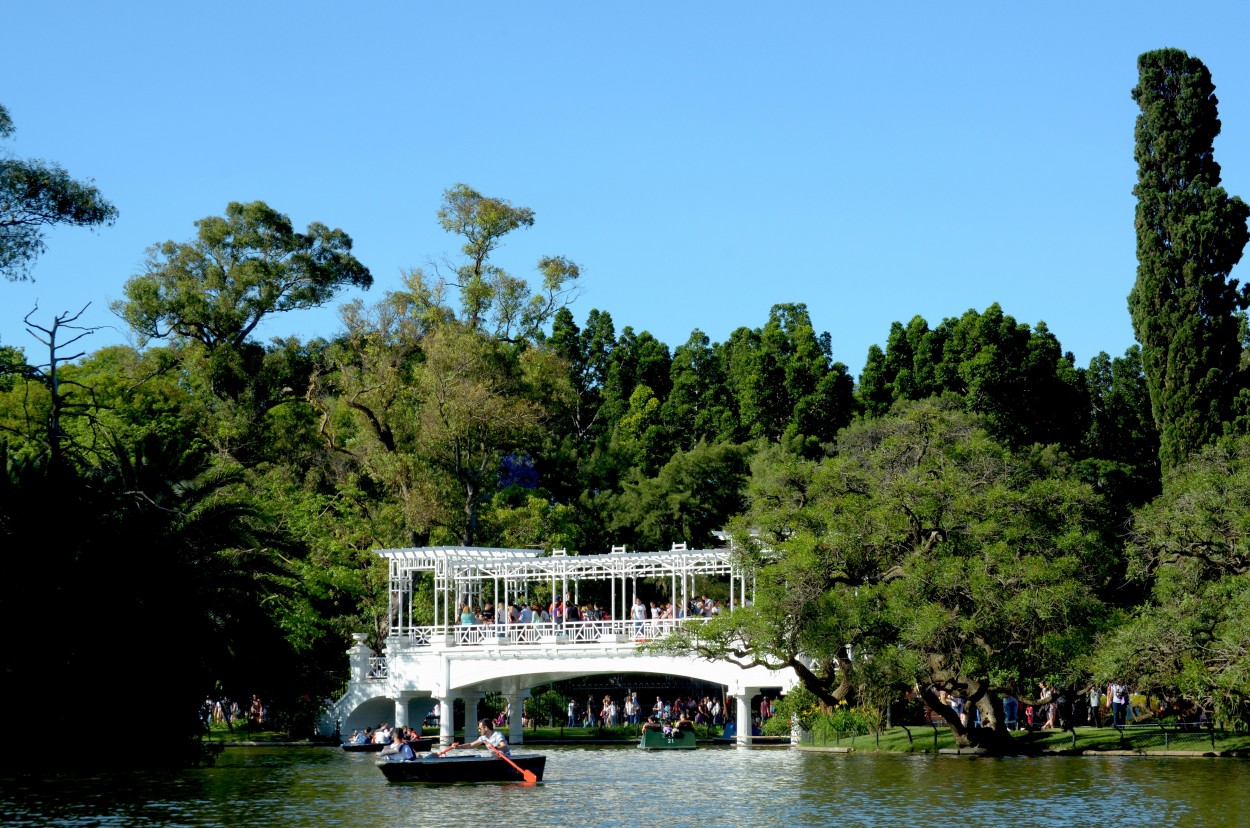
639,614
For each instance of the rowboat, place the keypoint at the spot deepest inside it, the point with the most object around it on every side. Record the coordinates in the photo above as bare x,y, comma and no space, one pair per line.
448,769
654,738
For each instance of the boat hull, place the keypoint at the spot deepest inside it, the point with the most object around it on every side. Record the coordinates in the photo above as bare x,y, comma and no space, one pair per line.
449,769
655,739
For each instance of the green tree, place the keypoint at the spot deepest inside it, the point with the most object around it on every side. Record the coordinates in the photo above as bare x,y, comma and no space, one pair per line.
36,195
167,547
492,300
428,414
637,359
1190,234
1191,548
210,294
923,551
784,382
1120,450
1017,377
699,406
588,354
238,270
693,495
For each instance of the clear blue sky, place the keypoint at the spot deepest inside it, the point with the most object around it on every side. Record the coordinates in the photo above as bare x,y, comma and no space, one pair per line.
700,161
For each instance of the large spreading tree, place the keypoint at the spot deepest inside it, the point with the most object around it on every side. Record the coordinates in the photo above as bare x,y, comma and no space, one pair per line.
1190,234
923,552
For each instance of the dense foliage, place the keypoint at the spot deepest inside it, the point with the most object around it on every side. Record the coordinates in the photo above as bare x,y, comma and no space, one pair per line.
1190,234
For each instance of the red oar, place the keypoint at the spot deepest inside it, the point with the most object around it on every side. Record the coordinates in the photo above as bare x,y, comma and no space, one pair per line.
527,775
452,746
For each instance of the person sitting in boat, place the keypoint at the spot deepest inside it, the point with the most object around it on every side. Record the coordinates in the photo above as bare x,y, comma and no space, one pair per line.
359,738
399,750
487,735
683,723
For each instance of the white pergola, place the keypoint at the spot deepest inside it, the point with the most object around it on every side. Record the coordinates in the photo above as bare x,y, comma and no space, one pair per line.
462,572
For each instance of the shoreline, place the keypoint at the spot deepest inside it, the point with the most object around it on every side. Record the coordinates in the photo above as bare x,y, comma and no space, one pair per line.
967,753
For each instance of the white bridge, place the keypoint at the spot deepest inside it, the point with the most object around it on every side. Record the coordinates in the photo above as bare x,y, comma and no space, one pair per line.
428,666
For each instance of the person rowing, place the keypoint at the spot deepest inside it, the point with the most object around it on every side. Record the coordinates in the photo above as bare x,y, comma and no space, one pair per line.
487,735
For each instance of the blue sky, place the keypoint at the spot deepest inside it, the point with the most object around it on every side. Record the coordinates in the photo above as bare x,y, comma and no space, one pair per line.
700,161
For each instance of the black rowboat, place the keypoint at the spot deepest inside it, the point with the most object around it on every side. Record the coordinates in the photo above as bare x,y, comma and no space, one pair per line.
446,769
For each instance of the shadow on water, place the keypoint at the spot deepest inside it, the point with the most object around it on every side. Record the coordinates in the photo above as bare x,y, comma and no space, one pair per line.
627,787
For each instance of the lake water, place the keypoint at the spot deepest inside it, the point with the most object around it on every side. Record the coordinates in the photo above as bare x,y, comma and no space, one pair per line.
616,786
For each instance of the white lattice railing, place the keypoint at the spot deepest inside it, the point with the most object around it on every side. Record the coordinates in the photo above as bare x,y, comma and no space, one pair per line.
570,632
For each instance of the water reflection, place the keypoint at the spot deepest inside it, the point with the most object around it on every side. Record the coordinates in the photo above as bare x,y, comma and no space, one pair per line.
627,787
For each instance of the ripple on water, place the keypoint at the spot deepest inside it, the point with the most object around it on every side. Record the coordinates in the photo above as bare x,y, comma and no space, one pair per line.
599,786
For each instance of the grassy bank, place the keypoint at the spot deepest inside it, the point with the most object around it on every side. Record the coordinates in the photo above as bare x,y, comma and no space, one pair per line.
926,739
917,739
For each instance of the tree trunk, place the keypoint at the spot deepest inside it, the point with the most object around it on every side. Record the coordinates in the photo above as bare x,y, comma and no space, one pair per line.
470,512
992,734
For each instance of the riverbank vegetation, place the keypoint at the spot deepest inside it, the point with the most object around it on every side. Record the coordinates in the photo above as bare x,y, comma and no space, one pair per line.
974,512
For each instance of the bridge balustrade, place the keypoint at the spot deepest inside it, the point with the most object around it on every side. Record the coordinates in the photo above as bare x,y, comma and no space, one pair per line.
568,632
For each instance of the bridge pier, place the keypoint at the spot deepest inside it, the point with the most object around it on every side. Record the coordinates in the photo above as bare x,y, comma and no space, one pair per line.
516,728
743,715
402,698
446,722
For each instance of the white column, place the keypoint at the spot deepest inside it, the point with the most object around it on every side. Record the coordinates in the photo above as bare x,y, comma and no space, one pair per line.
516,703
743,714
401,710
446,710
470,715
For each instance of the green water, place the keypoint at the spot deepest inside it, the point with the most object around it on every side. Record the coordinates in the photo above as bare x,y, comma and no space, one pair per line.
627,787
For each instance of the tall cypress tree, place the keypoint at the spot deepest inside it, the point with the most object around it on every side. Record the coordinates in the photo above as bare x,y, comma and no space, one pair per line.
1190,234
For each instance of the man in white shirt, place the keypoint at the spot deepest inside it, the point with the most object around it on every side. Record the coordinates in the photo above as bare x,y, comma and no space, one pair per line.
639,614
488,735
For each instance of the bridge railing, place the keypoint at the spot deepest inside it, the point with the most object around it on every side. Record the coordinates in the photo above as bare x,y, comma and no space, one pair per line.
568,632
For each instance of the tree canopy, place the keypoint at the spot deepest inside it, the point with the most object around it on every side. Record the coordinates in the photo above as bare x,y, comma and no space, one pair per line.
1190,234
1191,545
36,195
240,268
925,546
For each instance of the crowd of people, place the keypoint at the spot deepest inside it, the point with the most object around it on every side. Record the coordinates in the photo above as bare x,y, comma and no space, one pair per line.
645,614
607,712
1049,708
230,713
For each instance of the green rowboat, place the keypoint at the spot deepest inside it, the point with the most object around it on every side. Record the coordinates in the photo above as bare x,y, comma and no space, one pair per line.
654,738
